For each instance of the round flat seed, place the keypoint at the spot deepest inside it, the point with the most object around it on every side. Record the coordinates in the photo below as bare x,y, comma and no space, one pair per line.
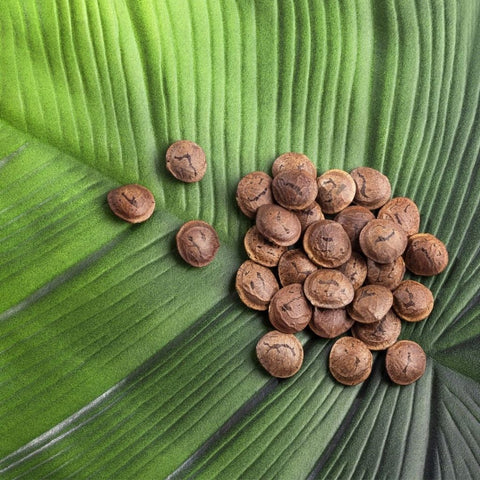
373,188
279,225
294,267
132,203
254,190
405,362
261,250
197,243
350,361
280,354
330,323
383,241
327,288
355,269
336,190
294,190
327,244
426,255
292,161
289,311
412,301
186,161
370,304
387,274
379,335
402,211
255,285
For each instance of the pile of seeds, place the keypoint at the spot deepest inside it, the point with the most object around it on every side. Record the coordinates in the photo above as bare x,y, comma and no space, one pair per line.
330,253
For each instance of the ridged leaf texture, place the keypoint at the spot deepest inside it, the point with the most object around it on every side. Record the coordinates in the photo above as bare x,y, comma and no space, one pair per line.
117,359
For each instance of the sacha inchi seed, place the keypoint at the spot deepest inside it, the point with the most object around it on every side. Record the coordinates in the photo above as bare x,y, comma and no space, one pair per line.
186,161
281,354
336,275
197,243
132,203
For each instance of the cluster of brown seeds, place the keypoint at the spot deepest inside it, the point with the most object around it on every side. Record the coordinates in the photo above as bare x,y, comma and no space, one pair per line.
197,241
335,274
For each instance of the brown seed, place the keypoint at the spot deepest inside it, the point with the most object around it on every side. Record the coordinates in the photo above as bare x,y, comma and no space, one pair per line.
353,219
186,161
294,267
387,274
294,162
412,301
197,243
309,215
255,285
336,190
350,361
405,362
426,255
132,203
294,190
355,269
280,354
328,288
379,335
402,211
330,323
373,188
253,190
370,304
289,310
261,250
327,244
279,225
382,241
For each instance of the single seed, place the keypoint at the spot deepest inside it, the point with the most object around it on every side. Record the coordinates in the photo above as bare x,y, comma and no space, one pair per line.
370,304
336,190
387,274
289,311
379,335
261,250
350,361
292,161
426,255
355,269
294,189
279,225
405,362
132,203
197,243
327,244
330,323
383,241
412,301
328,288
254,190
255,285
280,354
186,161
294,267
373,188
402,211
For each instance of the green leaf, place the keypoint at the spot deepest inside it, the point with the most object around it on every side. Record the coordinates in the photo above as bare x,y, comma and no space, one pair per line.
118,360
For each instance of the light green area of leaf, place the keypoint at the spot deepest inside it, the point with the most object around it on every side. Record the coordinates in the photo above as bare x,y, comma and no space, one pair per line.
118,360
